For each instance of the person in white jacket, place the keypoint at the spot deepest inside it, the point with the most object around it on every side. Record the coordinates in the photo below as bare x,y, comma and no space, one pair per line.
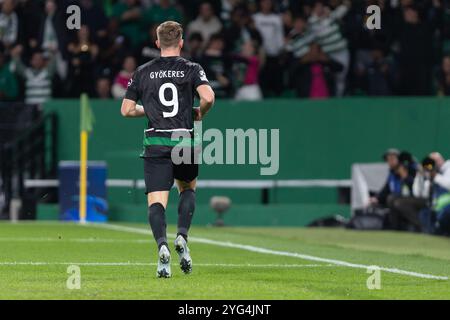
434,183
442,178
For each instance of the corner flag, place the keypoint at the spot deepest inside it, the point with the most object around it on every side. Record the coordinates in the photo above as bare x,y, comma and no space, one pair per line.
86,122
87,117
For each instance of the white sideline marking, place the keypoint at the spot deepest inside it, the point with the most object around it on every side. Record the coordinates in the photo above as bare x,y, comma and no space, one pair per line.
276,252
107,264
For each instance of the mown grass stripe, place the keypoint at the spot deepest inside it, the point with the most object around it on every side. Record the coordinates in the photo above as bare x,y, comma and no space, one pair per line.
131,264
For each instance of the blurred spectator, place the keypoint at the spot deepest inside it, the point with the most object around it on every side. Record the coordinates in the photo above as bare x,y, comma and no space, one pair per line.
416,55
299,38
148,50
8,81
107,6
9,23
128,13
227,8
113,47
315,73
253,7
121,81
247,65
270,26
363,39
324,24
374,74
83,54
216,66
288,22
240,31
94,17
194,47
444,77
206,22
103,88
164,11
445,25
31,15
38,76
51,33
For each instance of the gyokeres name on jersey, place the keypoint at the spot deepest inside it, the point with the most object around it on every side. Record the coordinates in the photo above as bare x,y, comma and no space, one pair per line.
166,74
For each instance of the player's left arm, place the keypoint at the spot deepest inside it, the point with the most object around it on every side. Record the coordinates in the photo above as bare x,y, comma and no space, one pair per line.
207,99
204,91
131,109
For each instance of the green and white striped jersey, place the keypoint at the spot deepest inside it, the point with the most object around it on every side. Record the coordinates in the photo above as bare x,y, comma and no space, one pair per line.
299,43
327,31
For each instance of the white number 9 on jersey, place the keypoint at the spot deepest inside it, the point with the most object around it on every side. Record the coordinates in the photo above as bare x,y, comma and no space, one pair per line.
169,103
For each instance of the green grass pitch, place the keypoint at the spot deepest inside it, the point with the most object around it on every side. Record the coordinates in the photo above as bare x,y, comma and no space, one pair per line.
120,263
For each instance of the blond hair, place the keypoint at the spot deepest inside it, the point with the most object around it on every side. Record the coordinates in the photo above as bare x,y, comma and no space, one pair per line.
169,34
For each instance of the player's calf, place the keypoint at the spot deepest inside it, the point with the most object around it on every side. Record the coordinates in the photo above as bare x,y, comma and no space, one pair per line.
186,208
157,220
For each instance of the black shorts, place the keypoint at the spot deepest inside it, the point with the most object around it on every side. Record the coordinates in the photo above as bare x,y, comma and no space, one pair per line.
159,173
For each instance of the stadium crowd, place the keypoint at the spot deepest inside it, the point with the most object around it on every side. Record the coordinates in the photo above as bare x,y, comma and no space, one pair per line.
416,196
249,49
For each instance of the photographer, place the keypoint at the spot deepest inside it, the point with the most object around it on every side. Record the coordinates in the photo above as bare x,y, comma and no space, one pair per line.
395,200
434,182
393,185
403,206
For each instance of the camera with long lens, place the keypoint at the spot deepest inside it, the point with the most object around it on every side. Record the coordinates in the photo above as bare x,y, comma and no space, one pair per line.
429,167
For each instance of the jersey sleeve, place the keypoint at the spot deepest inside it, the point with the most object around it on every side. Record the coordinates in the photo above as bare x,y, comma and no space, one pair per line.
133,90
199,76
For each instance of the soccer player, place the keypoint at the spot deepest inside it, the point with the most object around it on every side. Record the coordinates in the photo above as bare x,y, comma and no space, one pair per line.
166,86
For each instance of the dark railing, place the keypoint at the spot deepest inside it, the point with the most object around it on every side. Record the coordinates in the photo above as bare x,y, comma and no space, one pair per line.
32,154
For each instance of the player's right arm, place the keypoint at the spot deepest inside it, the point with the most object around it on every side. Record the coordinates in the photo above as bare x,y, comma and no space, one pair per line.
207,98
129,107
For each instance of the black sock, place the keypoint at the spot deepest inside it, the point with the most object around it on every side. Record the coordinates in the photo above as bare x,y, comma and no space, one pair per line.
157,220
163,244
186,208
183,235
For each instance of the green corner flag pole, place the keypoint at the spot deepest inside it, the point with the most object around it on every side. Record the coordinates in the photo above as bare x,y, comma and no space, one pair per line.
86,122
